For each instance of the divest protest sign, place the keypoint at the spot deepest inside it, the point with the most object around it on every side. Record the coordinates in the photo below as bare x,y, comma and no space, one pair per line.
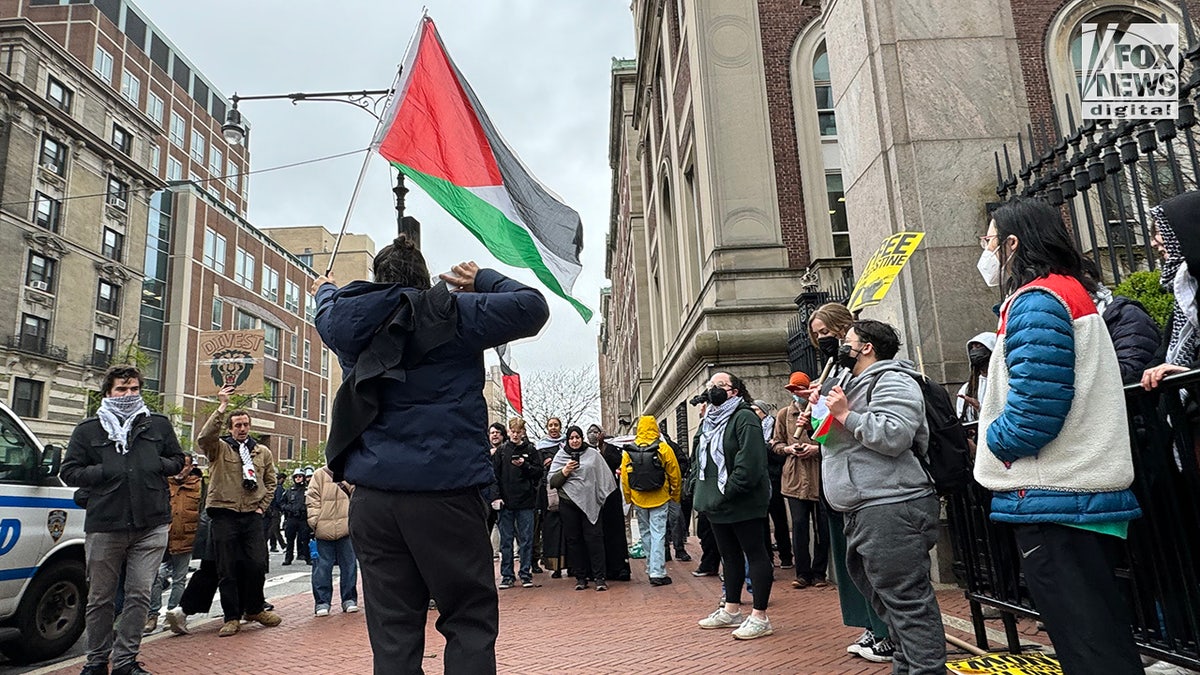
1030,663
882,269
230,358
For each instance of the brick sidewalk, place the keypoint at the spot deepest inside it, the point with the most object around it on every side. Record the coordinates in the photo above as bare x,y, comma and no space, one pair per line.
632,628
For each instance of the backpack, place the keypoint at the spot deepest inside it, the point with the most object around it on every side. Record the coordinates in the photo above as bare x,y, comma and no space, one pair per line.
948,460
646,470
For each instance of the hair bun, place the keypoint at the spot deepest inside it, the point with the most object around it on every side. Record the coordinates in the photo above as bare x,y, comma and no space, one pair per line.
403,243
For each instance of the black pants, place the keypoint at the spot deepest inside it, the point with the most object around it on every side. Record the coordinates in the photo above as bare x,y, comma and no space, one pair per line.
241,561
585,543
1069,572
271,531
777,514
412,545
710,557
201,588
677,535
741,543
809,516
298,536
616,551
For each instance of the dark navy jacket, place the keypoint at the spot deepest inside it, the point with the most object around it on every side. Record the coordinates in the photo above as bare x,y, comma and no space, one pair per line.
1135,336
427,434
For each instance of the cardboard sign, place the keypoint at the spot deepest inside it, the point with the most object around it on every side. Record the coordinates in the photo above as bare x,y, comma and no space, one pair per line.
1030,663
230,358
882,269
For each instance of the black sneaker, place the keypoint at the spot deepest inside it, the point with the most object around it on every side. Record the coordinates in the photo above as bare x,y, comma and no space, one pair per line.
660,581
537,569
95,670
682,556
580,585
880,652
601,586
527,583
703,573
134,668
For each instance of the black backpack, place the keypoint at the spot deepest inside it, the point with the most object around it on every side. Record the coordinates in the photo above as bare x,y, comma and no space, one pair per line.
646,470
948,461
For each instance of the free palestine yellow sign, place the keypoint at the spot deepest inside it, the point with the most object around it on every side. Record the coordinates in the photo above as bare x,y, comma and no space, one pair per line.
882,269
1030,663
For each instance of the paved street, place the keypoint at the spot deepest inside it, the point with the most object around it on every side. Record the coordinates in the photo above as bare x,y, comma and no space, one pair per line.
632,628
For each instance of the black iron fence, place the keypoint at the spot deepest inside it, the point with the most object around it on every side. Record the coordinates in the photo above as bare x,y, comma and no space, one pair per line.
1161,570
802,355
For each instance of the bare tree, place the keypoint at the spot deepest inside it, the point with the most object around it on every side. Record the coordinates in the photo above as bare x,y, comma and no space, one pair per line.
570,394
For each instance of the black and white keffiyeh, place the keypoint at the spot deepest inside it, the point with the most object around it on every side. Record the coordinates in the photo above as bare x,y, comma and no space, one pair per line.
1175,278
117,415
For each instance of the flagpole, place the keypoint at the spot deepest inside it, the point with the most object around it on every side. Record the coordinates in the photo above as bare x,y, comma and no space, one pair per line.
362,174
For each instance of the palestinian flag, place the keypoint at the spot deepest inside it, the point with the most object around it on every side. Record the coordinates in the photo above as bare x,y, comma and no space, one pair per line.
511,380
436,132
822,421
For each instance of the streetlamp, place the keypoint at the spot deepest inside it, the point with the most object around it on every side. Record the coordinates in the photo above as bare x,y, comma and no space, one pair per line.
235,132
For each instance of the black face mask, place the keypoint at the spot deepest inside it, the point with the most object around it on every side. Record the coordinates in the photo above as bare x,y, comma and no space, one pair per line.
979,357
846,357
717,396
828,346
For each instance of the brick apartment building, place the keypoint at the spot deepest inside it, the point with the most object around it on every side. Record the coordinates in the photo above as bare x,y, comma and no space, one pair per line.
754,140
122,214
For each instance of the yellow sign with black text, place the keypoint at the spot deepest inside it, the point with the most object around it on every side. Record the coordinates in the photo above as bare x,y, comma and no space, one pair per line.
1031,663
882,269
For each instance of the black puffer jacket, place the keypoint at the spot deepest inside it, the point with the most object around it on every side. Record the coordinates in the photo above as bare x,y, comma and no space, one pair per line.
126,491
518,485
292,503
1134,334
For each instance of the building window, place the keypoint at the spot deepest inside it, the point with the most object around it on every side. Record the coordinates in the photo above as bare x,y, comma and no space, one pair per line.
321,410
305,258
47,212
271,340
244,321
40,274
54,156
218,315
154,108
304,404
174,169
307,354
214,251
155,155
216,161
27,398
58,95
824,91
310,307
270,283
118,193
108,298
35,333
324,361
102,351
271,393
103,64
121,140
197,150
290,447
131,87
243,268
294,349
113,244
178,129
291,296
838,222
231,175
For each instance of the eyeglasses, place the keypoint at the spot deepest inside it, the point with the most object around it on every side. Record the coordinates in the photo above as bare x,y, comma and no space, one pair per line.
986,239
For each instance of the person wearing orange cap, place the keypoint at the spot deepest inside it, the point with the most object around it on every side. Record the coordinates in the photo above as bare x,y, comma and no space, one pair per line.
801,485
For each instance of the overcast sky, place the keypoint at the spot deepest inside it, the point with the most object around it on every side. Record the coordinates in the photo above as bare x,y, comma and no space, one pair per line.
542,69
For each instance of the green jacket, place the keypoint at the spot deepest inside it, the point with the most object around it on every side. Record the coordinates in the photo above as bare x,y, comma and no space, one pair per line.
747,486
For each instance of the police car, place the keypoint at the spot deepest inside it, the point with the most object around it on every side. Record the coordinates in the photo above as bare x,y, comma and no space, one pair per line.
43,585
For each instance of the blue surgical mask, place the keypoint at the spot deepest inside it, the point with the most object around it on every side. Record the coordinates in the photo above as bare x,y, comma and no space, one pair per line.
796,398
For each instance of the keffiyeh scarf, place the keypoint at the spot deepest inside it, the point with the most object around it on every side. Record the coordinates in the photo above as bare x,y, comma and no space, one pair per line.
1185,325
117,415
712,439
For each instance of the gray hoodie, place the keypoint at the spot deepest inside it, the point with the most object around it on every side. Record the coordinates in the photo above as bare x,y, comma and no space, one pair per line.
870,460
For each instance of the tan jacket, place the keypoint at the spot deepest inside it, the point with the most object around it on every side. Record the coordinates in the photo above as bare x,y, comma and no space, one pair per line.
328,506
185,513
225,489
801,477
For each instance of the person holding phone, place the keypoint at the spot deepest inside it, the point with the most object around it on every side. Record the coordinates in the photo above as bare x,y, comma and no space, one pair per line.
518,466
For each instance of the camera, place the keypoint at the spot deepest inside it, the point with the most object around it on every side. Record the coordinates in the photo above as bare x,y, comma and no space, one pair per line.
699,399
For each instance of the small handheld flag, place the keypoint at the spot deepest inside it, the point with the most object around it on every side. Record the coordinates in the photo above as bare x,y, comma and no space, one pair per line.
822,421
511,380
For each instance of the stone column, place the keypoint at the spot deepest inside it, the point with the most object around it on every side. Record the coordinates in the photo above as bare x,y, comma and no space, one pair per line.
925,91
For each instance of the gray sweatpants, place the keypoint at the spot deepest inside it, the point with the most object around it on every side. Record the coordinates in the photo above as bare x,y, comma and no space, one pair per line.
140,551
888,558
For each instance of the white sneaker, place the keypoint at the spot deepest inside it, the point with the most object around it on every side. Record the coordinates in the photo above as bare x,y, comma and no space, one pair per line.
349,607
322,610
864,641
753,628
177,621
721,619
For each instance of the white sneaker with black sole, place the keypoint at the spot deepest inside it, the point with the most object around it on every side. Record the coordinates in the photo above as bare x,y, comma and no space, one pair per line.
864,641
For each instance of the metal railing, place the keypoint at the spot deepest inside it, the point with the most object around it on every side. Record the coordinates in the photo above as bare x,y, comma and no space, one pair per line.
1160,573
802,356
36,344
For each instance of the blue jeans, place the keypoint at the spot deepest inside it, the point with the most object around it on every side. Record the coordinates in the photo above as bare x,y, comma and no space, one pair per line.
652,524
328,552
522,521
175,569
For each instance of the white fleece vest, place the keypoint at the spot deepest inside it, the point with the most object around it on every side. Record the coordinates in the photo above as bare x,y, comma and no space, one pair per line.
1092,452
